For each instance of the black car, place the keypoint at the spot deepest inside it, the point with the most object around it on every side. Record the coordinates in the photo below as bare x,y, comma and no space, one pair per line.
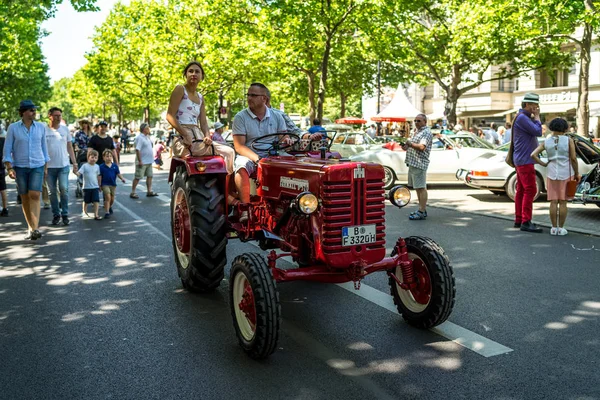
588,190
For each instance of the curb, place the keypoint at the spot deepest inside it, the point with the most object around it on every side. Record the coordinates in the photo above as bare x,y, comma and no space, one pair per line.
486,214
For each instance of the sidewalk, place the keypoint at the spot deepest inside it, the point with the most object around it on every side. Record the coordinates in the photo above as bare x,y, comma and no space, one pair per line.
580,218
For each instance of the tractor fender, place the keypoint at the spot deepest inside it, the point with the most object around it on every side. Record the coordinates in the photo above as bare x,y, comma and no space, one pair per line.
212,164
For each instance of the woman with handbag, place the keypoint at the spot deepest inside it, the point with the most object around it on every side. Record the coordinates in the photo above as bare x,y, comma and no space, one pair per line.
562,174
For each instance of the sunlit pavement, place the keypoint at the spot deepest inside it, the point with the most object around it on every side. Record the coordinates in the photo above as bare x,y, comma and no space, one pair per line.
95,310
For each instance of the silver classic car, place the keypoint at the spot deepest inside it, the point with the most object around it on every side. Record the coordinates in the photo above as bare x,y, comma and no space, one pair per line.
448,153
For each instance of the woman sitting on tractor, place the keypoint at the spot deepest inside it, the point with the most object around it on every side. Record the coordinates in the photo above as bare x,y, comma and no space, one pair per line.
187,115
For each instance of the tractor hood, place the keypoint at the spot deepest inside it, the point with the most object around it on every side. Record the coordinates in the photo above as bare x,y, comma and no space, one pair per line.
290,176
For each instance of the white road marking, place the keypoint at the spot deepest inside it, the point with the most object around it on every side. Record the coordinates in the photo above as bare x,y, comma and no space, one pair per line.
137,218
459,335
464,337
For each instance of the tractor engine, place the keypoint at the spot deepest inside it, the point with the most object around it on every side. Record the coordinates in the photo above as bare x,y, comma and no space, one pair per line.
328,212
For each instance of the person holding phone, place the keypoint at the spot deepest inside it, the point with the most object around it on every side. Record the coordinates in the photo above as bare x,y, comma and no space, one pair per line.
527,128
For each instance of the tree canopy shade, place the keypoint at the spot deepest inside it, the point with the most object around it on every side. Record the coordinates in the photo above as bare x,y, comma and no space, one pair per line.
454,43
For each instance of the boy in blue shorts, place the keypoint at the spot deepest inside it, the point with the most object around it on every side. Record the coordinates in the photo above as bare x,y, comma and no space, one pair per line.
109,172
91,183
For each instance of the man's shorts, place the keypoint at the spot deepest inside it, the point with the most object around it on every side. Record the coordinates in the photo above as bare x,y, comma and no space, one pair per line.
29,179
143,171
244,162
109,190
417,178
2,180
91,196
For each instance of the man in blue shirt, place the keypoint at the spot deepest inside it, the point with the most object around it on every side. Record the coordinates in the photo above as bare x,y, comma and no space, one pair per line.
316,127
25,159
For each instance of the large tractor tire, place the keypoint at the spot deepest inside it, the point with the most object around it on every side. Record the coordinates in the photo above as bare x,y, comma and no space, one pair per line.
198,230
432,300
511,187
255,305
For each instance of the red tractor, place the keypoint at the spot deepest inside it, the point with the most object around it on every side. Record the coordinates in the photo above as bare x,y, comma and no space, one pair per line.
326,213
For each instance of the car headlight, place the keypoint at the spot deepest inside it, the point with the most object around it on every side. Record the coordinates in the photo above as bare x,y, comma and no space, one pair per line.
307,203
399,196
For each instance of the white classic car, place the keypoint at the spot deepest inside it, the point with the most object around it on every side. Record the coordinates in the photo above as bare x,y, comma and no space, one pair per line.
448,154
490,171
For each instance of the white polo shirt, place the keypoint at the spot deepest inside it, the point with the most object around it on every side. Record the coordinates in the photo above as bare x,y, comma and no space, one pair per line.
56,141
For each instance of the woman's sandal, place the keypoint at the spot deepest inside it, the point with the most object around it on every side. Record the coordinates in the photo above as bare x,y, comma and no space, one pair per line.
417,216
134,196
98,218
151,194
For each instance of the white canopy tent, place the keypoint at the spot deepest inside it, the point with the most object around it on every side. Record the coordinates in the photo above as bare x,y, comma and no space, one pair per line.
400,109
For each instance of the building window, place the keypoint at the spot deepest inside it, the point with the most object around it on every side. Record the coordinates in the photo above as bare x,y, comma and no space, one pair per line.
516,85
501,85
555,78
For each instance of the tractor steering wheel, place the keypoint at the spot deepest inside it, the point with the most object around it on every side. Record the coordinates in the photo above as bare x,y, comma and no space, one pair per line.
276,144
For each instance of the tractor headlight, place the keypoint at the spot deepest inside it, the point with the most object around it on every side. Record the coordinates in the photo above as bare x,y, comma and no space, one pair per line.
399,196
307,203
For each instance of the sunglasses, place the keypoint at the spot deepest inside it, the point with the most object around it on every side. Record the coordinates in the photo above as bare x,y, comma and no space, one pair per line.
253,95
418,120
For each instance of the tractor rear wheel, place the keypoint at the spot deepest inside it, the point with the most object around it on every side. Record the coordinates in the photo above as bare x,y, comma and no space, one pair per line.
198,230
255,307
431,301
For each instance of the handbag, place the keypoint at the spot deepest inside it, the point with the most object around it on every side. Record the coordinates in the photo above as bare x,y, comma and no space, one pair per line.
571,183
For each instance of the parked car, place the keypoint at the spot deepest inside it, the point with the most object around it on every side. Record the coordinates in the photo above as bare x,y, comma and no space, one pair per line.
490,171
588,190
447,155
351,143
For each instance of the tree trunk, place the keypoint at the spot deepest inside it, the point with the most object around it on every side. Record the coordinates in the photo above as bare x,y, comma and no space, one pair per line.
311,78
343,100
583,107
323,81
452,95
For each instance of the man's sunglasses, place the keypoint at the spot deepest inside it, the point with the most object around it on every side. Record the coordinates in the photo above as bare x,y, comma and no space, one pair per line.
253,95
418,120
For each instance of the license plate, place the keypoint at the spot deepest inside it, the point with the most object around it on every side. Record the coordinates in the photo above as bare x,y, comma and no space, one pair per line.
359,234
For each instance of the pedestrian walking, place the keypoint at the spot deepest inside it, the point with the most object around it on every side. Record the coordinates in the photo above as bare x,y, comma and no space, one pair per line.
527,127
109,172
91,183
25,157
60,150
562,168
103,141
418,148
144,156
117,145
158,149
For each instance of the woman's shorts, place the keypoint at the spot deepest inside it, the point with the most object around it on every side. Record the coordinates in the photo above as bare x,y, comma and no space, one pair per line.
158,161
109,190
143,171
91,196
29,179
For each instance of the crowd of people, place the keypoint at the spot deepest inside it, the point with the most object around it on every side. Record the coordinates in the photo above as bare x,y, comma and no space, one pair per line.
35,153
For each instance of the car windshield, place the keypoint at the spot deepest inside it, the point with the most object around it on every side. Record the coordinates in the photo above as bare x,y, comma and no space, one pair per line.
471,141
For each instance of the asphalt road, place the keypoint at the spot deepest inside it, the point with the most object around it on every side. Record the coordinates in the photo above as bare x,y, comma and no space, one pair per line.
96,310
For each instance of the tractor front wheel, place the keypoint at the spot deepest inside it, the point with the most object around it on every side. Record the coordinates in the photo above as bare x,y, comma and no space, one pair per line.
430,302
255,305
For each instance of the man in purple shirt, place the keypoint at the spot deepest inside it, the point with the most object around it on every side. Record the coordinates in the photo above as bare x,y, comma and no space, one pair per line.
526,129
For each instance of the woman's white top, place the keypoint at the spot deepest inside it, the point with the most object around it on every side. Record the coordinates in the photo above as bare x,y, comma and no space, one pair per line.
557,148
188,112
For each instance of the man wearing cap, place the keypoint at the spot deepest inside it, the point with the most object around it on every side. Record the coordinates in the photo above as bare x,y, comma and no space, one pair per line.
25,159
60,150
217,134
525,131
102,141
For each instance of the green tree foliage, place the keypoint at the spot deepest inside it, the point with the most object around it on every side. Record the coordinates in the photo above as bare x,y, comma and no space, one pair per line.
454,43
23,72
